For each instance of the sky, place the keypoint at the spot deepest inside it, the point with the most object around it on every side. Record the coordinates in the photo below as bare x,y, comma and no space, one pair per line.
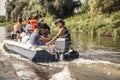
2,7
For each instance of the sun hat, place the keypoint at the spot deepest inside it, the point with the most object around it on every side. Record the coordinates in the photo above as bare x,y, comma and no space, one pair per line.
59,20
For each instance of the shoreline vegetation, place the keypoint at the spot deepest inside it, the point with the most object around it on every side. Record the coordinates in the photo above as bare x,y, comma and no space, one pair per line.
100,25
93,17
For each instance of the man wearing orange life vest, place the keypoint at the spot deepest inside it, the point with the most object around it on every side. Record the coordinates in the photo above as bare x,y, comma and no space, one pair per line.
33,22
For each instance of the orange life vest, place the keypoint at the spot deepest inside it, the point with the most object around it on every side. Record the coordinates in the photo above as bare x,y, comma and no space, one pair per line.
33,23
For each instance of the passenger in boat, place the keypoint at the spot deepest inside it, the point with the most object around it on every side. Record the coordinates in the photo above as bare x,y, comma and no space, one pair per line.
28,26
63,32
18,29
33,22
36,39
40,21
44,30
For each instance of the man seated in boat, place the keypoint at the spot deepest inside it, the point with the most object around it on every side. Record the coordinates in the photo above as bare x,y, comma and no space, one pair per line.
36,39
40,21
17,29
44,30
33,22
28,26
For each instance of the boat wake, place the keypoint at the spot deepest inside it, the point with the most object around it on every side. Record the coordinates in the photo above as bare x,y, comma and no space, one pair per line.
82,69
78,69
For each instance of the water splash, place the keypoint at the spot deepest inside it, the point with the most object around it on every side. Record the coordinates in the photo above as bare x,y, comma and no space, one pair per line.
63,75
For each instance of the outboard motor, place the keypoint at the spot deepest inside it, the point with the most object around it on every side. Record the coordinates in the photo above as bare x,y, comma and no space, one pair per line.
71,55
63,51
62,45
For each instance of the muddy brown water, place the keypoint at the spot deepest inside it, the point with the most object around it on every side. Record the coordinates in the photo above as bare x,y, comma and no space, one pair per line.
99,60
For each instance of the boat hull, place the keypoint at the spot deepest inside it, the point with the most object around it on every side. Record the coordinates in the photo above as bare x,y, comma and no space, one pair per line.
41,54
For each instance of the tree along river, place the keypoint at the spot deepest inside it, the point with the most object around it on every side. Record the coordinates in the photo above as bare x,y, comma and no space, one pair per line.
99,60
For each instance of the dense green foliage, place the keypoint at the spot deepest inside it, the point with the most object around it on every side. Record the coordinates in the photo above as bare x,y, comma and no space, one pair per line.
25,8
105,6
57,8
2,19
100,17
101,24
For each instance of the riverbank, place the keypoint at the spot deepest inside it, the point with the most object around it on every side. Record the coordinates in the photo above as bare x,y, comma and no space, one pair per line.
98,24
92,24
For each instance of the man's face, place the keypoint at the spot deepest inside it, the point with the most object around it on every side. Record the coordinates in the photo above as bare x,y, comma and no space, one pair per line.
47,31
42,31
59,24
37,30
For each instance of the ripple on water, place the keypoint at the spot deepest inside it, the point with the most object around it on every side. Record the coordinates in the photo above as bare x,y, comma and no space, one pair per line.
81,69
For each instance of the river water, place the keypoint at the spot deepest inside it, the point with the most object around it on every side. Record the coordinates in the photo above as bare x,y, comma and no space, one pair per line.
99,60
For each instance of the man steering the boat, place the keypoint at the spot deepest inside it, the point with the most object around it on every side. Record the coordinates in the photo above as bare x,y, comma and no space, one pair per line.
63,32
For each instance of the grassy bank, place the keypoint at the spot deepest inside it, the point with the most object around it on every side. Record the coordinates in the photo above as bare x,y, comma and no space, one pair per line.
98,24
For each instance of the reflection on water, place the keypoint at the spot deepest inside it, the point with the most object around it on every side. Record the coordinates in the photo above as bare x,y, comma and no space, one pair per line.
89,42
101,48
99,60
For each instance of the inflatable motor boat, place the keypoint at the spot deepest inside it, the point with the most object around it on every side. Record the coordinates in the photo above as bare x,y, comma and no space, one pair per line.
53,53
